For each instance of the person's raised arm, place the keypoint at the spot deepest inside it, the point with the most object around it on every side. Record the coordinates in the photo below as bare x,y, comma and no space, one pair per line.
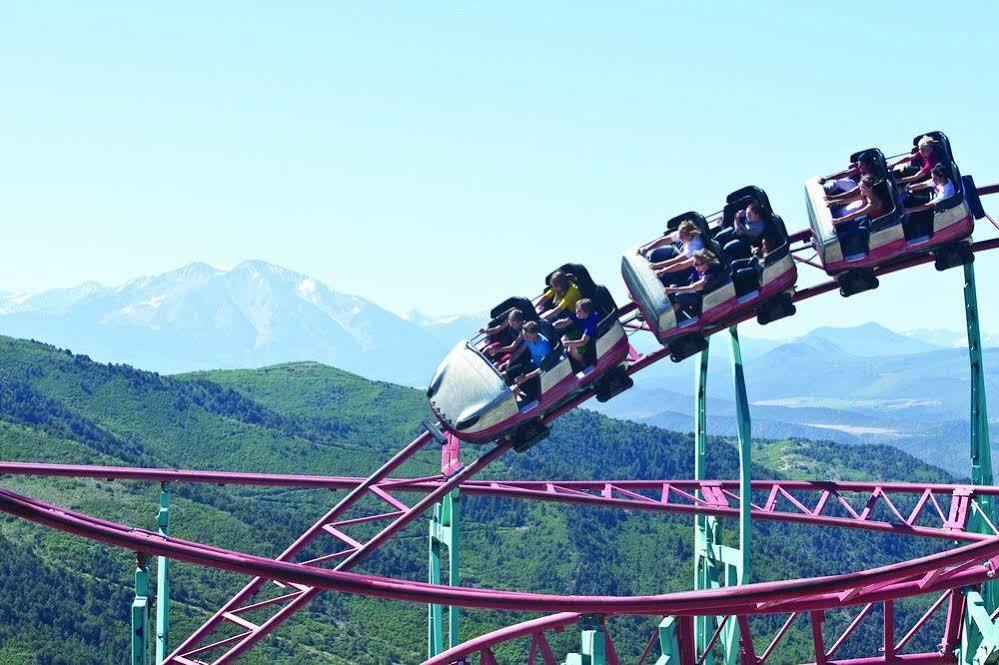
498,328
901,160
836,176
690,288
666,239
845,197
854,215
515,345
679,263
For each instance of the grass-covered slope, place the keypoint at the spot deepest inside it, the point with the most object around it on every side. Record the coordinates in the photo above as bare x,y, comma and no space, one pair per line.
65,600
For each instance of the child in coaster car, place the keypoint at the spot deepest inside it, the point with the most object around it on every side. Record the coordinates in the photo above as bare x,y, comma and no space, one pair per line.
687,300
581,334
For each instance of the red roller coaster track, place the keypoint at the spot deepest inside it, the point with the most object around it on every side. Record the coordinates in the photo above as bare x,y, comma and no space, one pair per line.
937,511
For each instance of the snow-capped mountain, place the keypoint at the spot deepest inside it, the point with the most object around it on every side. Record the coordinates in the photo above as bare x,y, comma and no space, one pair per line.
201,317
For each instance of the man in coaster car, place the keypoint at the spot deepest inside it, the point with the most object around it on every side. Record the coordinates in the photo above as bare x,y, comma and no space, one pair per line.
564,294
687,300
918,164
738,241
580,339
527,375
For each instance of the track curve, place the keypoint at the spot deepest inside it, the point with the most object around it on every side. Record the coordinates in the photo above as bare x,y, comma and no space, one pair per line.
962,566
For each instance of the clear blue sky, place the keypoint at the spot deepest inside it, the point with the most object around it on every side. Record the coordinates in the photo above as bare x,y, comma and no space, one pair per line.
441,156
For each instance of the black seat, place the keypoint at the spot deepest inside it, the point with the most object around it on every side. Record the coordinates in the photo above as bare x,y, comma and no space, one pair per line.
606,307
502,310
875,155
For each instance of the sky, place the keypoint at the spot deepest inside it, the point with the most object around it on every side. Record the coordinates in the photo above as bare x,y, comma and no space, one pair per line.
442,156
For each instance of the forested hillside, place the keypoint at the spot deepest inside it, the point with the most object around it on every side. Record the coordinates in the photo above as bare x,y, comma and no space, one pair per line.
66,600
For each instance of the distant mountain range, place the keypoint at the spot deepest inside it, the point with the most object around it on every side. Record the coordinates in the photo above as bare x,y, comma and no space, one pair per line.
851,384
200,317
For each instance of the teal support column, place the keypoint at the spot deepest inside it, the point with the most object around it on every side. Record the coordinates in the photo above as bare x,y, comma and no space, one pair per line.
140,613
717,565
668,642
163,582
979,640
745,458
707,530
444,534
593,649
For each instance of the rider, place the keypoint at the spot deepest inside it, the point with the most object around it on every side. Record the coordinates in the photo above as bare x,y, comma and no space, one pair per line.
747,231
579,341
919,164
526,374
676,268
852,222
922,198
687,299
563,294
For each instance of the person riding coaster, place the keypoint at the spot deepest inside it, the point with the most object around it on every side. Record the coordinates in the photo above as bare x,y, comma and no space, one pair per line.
482,392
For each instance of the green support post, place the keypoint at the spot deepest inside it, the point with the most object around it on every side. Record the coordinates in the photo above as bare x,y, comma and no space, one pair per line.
745,458
444,533
163,582
707,530
668,642
140,613
980,638
717,565
593,649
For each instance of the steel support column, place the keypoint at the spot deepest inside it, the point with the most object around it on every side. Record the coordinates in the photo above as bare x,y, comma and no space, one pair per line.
593,650
444,534
163,582
717,565
979,637
140,613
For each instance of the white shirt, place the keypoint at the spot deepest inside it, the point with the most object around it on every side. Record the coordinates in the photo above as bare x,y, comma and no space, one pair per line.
942,192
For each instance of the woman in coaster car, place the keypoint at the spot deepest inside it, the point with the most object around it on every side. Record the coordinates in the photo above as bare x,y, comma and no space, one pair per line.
679,259
687,299
563,294
738,241
919,164
852,221
580,338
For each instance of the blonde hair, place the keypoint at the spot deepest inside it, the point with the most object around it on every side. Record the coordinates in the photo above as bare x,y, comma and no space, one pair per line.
689,228
926,140
707,256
